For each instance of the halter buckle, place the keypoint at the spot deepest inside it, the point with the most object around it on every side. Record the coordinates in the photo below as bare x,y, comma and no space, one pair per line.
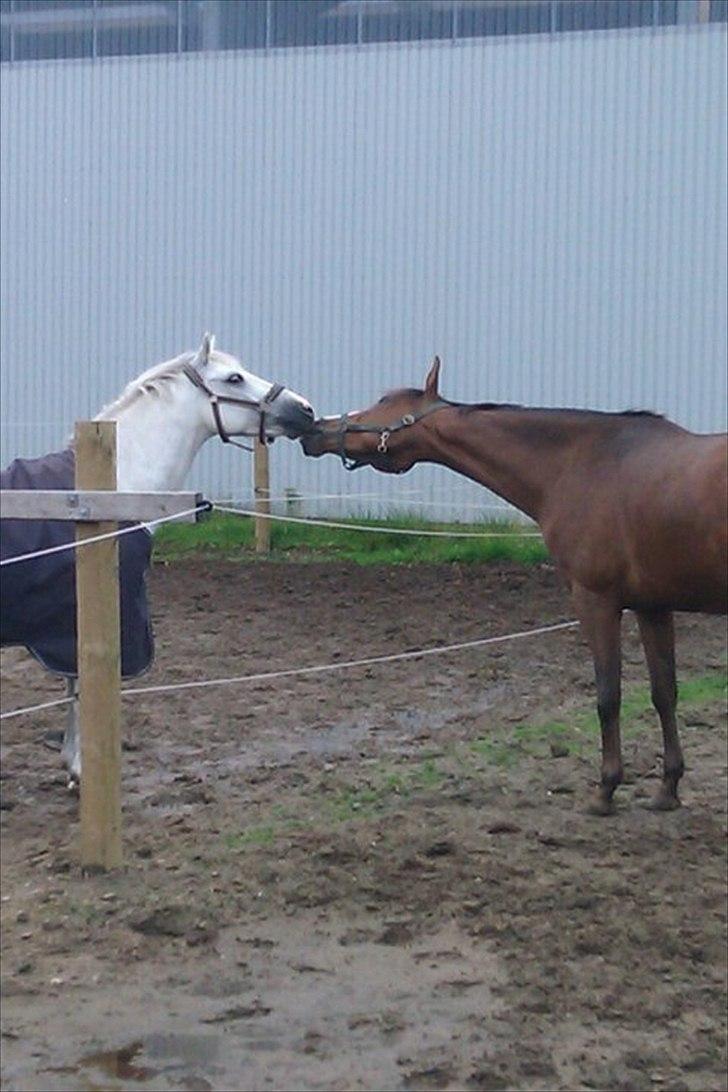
382,445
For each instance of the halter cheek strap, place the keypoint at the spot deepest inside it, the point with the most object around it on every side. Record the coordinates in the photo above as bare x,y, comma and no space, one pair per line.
270,397
262,406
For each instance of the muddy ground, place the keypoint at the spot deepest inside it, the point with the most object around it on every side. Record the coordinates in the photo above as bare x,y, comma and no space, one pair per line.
382,878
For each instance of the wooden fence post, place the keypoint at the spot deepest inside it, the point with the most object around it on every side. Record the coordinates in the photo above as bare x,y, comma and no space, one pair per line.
261,471
99,657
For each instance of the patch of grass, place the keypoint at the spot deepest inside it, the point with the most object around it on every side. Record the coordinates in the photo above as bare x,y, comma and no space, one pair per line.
350,802
694,694
703,690
392,783
385,785
429,776
263,835
535,738
497,752
280,822
232,537
89,913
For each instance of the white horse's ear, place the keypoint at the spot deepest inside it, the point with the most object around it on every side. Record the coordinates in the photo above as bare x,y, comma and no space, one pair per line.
203,353
432,379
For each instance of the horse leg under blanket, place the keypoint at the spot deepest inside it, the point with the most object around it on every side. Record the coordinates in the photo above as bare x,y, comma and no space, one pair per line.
71,750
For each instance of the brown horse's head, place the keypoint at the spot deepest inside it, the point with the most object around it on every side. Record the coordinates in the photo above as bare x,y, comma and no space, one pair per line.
386,436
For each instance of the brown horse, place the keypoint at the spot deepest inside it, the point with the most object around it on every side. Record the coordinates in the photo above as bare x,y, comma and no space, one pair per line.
633,510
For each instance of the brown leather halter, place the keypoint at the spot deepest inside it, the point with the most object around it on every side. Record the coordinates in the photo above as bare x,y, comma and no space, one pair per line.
262,406
384,432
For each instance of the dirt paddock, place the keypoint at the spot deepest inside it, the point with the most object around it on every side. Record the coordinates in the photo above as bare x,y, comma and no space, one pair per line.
382,878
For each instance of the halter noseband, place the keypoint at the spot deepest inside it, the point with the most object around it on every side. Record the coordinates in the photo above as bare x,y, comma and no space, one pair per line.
262,406
384,432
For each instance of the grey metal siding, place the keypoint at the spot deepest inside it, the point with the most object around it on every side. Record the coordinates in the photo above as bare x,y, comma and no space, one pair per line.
546,213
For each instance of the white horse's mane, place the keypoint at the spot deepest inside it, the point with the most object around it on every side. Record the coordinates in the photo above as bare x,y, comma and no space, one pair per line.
154,379
150,381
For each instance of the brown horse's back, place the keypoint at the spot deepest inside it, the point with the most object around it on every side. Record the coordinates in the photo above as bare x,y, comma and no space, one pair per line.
645,514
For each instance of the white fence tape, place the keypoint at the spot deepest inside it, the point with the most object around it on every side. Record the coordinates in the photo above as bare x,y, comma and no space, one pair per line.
147,526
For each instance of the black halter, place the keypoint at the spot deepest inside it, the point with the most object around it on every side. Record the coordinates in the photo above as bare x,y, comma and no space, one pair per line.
384,432
262,406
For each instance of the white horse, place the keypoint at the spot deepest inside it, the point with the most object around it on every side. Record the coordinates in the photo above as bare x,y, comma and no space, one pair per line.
164,416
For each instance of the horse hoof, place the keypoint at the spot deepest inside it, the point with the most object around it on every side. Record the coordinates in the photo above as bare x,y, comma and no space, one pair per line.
53,740
598,805
665,801
73,786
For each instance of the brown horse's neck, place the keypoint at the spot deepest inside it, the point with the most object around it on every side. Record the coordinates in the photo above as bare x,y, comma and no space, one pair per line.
517,453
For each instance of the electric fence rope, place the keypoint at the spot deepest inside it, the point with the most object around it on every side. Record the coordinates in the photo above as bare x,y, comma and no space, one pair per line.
315,669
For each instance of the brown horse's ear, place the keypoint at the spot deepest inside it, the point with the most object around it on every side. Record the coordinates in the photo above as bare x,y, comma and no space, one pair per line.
432,378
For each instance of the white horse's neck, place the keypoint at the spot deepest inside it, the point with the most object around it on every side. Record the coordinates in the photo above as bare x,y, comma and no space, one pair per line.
156,445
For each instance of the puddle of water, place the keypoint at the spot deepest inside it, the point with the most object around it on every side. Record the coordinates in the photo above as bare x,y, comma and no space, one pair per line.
382,1001
190,1050
339,737
119,1063
414,720
127,1064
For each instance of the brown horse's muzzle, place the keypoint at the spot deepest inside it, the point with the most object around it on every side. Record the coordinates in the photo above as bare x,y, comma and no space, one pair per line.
319,441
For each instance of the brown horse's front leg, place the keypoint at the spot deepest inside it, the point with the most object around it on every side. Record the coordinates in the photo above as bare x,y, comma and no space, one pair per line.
658,637
600,623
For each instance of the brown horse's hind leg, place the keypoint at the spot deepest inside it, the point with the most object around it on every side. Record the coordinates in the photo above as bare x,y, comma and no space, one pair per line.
600,622
658,638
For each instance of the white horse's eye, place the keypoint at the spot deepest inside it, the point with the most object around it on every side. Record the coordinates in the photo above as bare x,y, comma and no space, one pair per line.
236,377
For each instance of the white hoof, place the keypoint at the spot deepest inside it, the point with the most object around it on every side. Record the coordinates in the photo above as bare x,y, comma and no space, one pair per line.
73,766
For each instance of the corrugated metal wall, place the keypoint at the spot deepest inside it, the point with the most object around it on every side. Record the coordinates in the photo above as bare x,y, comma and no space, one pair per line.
546,213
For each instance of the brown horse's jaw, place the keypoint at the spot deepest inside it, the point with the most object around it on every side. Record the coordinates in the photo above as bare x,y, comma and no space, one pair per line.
314,443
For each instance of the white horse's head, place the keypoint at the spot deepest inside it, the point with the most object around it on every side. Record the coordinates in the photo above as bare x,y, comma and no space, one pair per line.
240,403
165,415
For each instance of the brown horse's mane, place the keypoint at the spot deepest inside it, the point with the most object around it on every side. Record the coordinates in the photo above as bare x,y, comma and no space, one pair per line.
469,407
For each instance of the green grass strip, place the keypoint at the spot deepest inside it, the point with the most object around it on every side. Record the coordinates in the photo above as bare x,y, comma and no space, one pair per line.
503,748
232,537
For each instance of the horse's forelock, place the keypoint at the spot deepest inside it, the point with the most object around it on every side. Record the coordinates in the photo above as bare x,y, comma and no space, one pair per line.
218,356
401,392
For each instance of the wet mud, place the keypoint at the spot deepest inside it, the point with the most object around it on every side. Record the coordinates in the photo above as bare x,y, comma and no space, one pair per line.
383,878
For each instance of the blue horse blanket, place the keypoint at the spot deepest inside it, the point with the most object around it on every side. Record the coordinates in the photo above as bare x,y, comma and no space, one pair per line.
38,597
